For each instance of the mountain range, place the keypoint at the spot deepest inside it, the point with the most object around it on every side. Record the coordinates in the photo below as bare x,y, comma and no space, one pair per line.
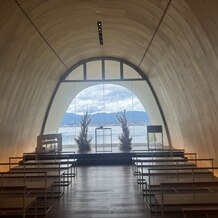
136,117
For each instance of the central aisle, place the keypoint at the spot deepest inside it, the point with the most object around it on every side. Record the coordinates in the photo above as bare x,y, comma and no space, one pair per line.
101,192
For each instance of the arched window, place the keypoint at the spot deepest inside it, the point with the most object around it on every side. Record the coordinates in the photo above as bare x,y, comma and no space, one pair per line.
104,102
106,70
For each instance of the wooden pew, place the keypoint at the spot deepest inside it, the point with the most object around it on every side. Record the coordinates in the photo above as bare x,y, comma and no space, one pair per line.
199,209
63,167
141,167
68,162
153,181
19,172
19,205
181,200
136,160
36,183
54,171
143,164
68,157
159,153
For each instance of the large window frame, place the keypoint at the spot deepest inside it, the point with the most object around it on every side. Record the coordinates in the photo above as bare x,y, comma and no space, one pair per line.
140,75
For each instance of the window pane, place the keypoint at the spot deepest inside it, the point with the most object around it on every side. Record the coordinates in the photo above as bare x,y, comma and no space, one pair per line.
76,74
94,70
112,70
130,73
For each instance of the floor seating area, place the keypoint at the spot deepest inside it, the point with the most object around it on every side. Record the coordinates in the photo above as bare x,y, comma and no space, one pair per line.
172,181
31,187
16,205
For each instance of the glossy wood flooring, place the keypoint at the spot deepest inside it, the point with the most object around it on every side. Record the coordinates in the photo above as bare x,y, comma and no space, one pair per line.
101,192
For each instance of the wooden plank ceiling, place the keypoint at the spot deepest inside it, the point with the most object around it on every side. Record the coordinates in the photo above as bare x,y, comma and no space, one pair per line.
41,39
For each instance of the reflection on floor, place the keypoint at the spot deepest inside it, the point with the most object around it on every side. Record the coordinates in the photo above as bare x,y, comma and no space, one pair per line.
101,192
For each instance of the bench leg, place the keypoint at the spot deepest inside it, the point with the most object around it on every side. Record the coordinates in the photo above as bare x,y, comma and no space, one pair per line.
155,208
162,211
184,214
35,215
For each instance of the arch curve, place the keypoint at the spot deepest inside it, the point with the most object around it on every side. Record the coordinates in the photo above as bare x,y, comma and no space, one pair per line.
144,79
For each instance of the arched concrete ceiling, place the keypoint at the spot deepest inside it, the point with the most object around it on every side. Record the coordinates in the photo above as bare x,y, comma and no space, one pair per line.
179,58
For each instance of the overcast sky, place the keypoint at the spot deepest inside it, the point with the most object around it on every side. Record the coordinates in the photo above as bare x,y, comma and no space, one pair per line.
115,98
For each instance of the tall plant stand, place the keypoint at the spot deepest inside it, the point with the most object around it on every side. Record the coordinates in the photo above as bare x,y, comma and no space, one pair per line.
103,139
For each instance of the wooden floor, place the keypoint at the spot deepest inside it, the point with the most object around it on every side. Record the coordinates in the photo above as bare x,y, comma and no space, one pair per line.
101,192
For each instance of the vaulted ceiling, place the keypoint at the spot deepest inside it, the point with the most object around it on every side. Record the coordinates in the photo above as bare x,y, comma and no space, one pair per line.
175,43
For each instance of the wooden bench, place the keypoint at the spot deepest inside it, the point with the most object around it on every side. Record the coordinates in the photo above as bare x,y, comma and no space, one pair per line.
141,169
164,152
177,201
49,156
139,165
10,205
53,171
58,157
70,165
176,172
199,209
143,161
36,184
68,162
164,161
140,161
154,180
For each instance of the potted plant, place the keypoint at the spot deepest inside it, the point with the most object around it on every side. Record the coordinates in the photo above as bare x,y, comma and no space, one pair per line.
83,140
124,137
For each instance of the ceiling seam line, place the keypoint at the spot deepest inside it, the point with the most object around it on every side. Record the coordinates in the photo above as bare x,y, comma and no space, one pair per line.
155,32
45,40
